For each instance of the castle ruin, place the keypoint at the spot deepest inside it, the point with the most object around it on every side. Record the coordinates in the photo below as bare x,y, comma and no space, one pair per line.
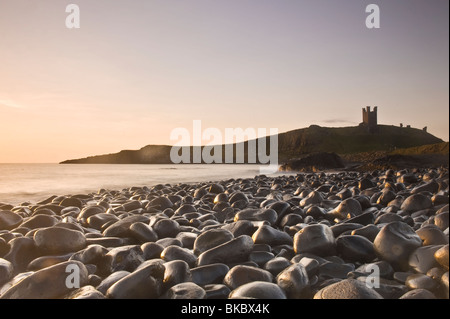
370,120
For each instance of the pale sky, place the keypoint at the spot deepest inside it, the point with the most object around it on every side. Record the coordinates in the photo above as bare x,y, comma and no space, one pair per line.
136,70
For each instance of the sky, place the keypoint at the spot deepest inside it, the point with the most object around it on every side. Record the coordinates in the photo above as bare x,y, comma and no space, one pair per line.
136,70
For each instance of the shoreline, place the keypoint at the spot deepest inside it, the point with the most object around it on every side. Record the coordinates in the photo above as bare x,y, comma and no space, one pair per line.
295,235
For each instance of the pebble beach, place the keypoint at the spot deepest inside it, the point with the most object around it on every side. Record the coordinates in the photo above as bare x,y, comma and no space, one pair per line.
337,235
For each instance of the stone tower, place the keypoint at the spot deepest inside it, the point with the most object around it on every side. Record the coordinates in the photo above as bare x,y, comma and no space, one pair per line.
370,119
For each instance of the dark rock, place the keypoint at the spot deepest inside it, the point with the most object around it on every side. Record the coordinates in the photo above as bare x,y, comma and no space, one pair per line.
416,202
251,214
216,291
48,283
177,271
348,208
317,239
143,232
232,251
241,274
395,242
276,265
209,274
369,231
174,252
121,227
260,257
151,250
86,292
166,228
271,236
355,248
185,290
123,258
210,239
294,281
39,221
47,261
111,280
258,290
144,283
23,250
422,259
9,220
57,240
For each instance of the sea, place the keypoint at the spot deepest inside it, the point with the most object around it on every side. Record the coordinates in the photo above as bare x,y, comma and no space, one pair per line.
31,183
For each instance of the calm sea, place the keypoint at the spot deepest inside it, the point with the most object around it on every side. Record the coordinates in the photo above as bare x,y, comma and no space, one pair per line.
35,182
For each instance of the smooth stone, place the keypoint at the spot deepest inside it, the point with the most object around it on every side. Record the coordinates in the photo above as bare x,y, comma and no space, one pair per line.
239,228
123,258
294,281
421,281
174,252
341,228
237,196
432,235
442,220
6,271
235,250
290,220
92,254
143,232
258,290
58,240
23,250
121,227
46,261
166,228
348,208
47,283
432,187
4,247
99,220
335,270
151,250
276,265
160,203
260,257
368,231
177,271
311,265
241,274
442,256
216,291
317,239
111,280
422,259
143,283
347,289
418,294
89,211
210,239
313,198
268,235
185,290
9,220
387,218
209,274
395,242
251,214
415,203
366,218
187,239
355,248
39,221
86,292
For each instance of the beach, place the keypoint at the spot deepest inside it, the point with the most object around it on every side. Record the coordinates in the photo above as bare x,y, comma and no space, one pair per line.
381,234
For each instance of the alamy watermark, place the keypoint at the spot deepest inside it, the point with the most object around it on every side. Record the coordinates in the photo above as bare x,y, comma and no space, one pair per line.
73,17
261,146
